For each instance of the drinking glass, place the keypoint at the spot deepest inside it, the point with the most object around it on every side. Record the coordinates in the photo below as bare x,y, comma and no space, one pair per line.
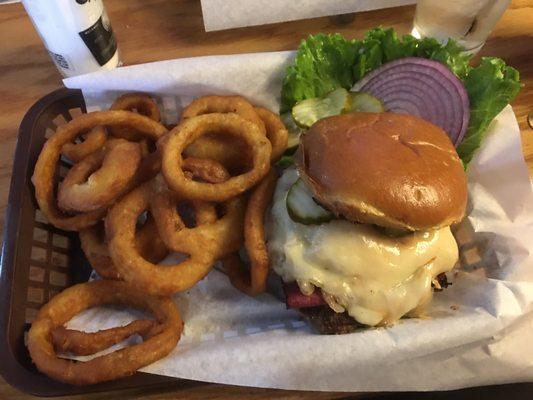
469,22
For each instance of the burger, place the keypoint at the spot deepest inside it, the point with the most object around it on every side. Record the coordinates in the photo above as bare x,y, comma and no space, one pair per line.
359,229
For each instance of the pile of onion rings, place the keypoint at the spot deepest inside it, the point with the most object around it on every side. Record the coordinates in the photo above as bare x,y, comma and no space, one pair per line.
136,191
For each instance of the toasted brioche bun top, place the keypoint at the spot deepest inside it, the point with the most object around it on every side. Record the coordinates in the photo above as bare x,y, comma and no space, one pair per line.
392,170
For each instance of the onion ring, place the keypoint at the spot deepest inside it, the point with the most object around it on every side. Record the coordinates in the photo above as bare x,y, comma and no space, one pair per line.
145,147
111,366
95,250
193,128
195,168
227,151
204,212
275,132
147,241
231,153
150,167
253,282
220,237
223,104
94,183
86,343
134,269
45,168
94,140
140,103
205,170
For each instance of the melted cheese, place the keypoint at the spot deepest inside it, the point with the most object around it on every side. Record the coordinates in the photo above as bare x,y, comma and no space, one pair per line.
375,278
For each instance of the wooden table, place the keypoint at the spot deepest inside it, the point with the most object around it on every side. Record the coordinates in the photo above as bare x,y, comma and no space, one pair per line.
152,30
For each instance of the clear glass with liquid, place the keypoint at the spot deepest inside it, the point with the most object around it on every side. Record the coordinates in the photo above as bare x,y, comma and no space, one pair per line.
469,22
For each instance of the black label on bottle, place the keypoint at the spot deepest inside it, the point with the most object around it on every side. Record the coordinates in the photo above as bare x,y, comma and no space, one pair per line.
100,40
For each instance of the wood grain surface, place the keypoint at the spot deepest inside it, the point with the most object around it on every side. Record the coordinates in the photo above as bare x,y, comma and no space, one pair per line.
152,30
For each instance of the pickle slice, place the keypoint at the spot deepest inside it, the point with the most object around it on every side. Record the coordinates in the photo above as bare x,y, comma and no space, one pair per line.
364,102
302,208
294,132
306,112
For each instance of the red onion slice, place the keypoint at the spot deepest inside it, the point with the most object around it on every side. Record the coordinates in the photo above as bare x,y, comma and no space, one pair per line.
393,97
421,87
438,92
425,87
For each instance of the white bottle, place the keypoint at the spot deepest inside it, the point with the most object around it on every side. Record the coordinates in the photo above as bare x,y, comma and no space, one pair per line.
76,33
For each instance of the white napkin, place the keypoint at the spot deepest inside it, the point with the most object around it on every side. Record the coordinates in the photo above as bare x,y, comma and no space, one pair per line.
226,14
479,330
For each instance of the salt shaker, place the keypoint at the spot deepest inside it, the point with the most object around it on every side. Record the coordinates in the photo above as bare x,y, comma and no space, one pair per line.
76,33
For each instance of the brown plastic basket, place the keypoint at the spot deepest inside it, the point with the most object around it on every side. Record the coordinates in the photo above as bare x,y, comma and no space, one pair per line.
39,260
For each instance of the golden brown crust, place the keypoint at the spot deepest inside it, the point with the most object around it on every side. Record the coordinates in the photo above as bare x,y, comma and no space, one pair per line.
252,281
86,343
46,166
275,131
94,140
231,153
94,245
141,103
118,364
387,169
93,184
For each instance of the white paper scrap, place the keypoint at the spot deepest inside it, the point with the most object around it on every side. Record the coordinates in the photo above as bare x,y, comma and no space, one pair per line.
226,14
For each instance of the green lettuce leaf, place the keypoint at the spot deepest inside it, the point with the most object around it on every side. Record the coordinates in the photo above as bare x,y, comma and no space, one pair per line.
326,62
323,64
383,45
490,86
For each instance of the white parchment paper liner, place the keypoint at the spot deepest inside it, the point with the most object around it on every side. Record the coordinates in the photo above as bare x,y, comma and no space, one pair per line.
479,331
